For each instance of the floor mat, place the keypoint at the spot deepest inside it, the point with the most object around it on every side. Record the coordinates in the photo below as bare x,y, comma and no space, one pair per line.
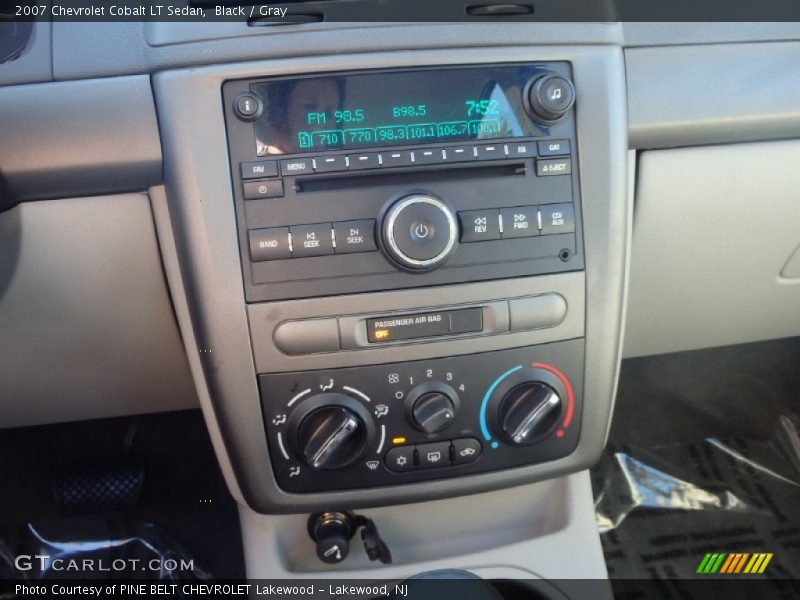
688,510
184,502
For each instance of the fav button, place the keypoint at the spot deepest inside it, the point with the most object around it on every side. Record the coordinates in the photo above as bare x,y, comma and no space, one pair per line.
400,459
434,455
465,451
479,225
521,221
257,170
354,236
311,240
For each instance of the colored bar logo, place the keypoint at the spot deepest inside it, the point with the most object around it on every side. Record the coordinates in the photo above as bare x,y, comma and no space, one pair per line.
734,563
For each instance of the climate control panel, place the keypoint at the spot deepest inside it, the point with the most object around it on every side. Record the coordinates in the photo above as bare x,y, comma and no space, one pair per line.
392,424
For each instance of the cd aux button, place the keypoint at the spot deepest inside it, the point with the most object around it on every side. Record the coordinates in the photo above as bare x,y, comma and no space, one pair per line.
557,218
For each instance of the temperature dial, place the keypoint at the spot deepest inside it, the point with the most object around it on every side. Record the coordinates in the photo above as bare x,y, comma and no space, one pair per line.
431,407
329,431
529,412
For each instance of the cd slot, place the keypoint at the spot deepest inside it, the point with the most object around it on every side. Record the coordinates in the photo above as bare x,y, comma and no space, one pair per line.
410,177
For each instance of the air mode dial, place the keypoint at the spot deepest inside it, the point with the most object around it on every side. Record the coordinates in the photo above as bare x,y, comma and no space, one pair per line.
328,432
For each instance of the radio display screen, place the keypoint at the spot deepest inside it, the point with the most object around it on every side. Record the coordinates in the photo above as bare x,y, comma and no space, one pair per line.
365,110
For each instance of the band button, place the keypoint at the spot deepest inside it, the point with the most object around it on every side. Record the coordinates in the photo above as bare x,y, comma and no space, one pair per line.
269,244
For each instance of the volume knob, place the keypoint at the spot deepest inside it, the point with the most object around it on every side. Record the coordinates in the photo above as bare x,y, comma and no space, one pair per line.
419,232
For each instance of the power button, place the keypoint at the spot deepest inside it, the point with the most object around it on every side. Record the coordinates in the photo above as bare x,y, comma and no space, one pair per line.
422,231
419,232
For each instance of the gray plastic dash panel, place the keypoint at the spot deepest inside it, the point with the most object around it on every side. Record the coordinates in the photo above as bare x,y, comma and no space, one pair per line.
78,138
692,95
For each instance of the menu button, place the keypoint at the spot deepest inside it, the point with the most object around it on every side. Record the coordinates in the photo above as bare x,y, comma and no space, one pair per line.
297,166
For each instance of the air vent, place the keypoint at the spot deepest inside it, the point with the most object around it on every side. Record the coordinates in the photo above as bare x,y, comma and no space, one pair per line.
14,37
210,4
288,19
499,10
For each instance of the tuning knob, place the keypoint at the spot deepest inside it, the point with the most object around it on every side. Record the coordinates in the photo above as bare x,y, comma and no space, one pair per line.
431,407
548,97
528,412
329,432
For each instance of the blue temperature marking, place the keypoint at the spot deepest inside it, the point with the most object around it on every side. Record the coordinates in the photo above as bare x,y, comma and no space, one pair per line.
484,428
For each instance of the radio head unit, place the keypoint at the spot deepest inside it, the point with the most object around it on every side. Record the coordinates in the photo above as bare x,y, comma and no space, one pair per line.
370,181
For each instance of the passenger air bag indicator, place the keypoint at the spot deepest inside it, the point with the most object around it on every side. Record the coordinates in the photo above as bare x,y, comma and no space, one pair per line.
430,324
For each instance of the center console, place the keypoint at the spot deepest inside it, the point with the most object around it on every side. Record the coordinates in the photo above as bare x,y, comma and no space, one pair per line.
413,178
403,272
